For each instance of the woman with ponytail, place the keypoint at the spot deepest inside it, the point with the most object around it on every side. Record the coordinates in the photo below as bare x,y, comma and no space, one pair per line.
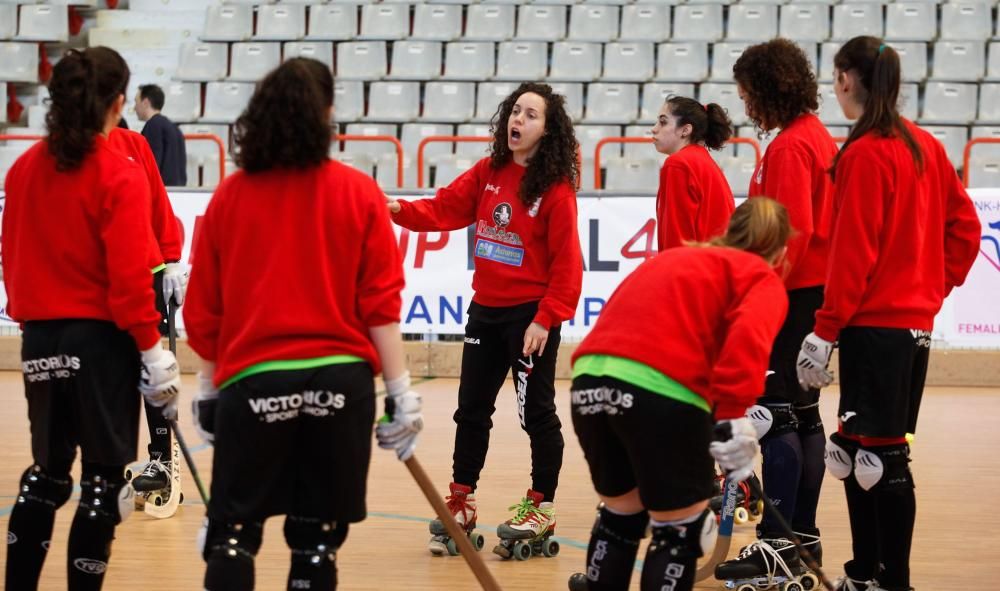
77,251
694,201
293,306
644,407
904,234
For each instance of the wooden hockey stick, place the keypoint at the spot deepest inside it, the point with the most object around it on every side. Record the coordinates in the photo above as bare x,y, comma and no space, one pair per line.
472,558
726,511
172,341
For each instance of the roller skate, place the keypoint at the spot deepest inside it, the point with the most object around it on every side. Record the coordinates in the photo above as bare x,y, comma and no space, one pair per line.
749,507
846,583
529,532
768,563
462,504
158,486
809,538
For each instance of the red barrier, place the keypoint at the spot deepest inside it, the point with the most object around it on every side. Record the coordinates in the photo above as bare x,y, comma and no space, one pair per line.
464,138
968,152
380,138
211,137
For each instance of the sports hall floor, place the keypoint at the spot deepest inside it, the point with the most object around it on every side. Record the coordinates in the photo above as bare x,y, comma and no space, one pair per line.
954,462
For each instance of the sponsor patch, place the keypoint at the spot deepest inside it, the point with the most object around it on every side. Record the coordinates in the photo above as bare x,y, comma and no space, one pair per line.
90,566
507,255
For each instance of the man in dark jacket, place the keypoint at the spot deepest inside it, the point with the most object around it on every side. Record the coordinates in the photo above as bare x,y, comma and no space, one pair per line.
164,137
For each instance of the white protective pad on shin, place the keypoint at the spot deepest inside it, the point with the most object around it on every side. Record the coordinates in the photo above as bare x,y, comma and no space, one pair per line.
126,501
762,419
709,533
838,460
868,469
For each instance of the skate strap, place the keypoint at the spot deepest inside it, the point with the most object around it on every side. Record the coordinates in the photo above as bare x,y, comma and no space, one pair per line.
525,508
772,559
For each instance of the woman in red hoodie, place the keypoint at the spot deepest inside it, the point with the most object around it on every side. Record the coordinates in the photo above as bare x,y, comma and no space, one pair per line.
683,341
527,281
904,234
290,349
694,200
77,245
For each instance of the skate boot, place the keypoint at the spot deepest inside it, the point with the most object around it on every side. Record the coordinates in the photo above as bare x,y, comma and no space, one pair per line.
154,476
462,505
768,563
529,531
846,583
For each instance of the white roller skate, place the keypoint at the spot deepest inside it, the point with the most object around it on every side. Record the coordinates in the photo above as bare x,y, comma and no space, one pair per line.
158,486
767,564
462,505
529,532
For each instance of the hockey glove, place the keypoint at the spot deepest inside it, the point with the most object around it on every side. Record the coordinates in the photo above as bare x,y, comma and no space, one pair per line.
160,380
175,281
813,360
203,408
398,428
736,455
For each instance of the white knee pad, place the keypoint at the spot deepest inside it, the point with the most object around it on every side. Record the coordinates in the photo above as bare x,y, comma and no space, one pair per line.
709,533
868,469
838,460
762,419
126,501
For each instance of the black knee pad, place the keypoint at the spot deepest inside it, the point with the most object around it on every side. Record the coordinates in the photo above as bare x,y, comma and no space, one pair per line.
772,419
883,468
314,540
44,490
105,495
808,418
622,530
237,541
839,455
687,541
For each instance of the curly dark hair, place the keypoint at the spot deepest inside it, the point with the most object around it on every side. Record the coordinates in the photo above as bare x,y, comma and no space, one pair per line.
778,83
286,124
555,159
84,86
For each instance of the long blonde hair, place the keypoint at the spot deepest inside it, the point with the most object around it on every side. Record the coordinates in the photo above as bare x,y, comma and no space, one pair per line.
759,225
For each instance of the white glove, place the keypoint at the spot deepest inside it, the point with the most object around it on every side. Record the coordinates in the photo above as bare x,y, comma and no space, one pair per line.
203,408
398,428
736,455
813,359
160,380
175,281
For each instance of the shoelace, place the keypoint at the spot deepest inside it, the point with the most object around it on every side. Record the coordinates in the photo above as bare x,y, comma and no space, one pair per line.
525,509
772,559
152,468
457,503
846,583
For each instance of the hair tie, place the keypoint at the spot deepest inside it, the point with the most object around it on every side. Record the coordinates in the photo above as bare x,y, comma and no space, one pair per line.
705,107
881,48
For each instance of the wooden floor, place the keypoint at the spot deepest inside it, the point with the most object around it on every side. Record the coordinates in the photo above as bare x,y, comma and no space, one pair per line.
955,467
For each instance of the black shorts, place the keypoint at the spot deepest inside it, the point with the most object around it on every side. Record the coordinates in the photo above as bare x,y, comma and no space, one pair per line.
81,379
632,438
882,373
783,384
294,442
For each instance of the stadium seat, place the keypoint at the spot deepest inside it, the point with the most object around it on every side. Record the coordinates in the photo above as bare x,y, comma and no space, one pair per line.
826,53
739,172
612,103
385,21
362,162
364,60
724,95
576,60
949,103
489,22
628,62
724,56
8,21
911,21
646,22
953,138
909,100
348,100
252,60
452,102
475,150
746,152
489,97
829,109
437,22
572,92
333,22
854,19
993,62
968,21
541,23
281,22
805,22
641,176
522,60
989,103
912,59
182,101
318,50
203,61
589,135
639,151
414,133
752,22
698,22
810,48
43,22
984,159
228,22
654,94
682,62
387,172
18,62
469,60
449,168
205,152
591,22
415,60
225,101
373,149
959,61
393,101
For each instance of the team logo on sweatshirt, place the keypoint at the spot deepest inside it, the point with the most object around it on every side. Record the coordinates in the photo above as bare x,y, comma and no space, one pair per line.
502,214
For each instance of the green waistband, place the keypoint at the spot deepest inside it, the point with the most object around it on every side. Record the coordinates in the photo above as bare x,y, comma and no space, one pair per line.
291,364
637,374
158,268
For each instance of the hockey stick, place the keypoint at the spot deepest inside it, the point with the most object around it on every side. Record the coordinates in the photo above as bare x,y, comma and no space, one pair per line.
472,558
172,342
725,535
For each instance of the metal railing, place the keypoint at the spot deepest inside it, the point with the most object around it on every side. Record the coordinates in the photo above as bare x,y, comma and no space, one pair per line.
648,140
